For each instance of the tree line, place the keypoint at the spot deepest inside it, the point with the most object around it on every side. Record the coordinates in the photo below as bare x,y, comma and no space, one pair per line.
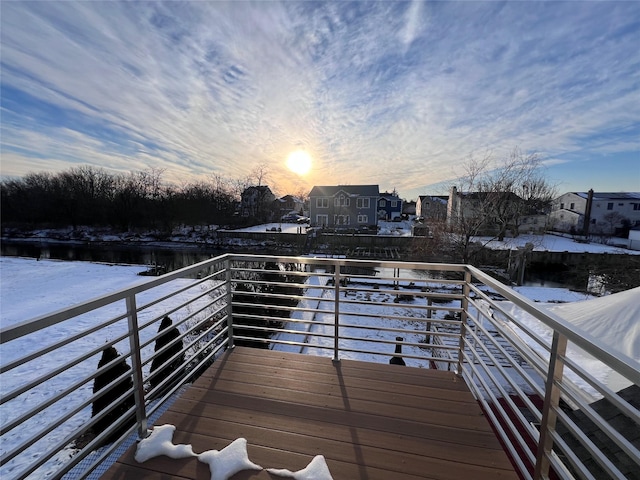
92,196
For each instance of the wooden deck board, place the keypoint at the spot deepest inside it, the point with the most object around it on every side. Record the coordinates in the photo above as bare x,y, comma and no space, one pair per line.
370,421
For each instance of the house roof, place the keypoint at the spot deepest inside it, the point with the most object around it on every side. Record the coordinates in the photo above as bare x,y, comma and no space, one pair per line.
388,195
290,197
483,195
435,198
610,195
331,190
259,188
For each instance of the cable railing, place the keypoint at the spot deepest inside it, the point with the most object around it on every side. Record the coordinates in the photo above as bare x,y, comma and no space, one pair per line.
77,382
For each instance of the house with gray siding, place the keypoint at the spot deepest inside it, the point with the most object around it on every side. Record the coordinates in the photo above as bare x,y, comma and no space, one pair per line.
431,208
344,206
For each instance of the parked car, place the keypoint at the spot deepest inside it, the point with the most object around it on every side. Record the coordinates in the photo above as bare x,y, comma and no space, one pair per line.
294,218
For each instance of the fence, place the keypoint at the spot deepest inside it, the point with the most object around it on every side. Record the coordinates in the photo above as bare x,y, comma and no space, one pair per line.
117,359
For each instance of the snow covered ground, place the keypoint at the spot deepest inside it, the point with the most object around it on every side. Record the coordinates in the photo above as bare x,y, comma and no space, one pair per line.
548,242
29,288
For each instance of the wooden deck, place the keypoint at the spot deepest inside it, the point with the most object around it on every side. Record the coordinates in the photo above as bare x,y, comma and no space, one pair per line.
370,421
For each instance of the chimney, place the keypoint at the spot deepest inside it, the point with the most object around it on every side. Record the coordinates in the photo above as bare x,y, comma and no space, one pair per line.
587,214
451,205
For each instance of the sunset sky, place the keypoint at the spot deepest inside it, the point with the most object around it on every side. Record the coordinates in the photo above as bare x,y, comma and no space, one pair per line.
398,94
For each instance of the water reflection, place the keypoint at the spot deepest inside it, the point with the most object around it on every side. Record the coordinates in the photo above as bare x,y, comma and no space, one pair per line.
168,258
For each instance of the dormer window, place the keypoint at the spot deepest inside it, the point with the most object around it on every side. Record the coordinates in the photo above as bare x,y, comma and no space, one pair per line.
341,201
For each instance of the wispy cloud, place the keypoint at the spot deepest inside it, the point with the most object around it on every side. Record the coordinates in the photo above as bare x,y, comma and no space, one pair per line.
388,92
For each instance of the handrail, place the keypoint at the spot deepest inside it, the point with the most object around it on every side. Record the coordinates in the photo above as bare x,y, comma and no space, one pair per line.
617,360
340,307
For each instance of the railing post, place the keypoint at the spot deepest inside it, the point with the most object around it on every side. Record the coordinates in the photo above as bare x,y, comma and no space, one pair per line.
551,402
336,313
229,303
464,304
136,366
429,315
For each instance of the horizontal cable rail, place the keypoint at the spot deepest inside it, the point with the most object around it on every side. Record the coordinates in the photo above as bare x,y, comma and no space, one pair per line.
115,360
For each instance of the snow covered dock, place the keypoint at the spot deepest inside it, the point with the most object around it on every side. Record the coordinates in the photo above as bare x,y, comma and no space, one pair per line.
371,420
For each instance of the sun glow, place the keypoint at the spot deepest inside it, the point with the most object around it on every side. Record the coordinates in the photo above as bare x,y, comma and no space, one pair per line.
299,162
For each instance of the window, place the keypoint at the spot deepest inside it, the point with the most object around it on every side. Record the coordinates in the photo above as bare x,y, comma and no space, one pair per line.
636,206
322,203
341,201
322,220
362,203
394,203
562,206
610,206
572,206
341,219
363,218
383,202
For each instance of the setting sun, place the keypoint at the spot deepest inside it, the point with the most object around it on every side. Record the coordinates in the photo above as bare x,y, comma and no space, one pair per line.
299,162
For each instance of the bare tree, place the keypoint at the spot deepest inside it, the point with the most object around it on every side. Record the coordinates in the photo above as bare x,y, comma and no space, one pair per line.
259,173
613,220
493,198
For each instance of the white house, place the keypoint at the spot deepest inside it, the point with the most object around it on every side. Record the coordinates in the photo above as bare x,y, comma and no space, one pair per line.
634,239
604,212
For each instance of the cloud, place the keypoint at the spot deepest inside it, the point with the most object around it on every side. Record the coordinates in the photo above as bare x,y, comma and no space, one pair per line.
387,92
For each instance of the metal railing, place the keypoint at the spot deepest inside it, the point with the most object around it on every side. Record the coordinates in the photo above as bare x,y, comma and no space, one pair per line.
107,361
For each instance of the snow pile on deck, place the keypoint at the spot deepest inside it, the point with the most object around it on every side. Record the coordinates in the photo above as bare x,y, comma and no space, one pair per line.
225,463
316,470
160,442
230,460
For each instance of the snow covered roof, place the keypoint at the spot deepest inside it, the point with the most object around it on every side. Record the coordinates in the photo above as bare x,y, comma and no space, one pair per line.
611,195
613,319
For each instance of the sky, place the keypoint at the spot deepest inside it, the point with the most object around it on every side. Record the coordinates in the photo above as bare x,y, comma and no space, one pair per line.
399,94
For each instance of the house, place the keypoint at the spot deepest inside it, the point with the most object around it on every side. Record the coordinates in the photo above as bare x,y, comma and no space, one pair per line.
256,202
634,239
344,206
596,213
408,209
431,208
533,224
486,213
389,206
288,204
